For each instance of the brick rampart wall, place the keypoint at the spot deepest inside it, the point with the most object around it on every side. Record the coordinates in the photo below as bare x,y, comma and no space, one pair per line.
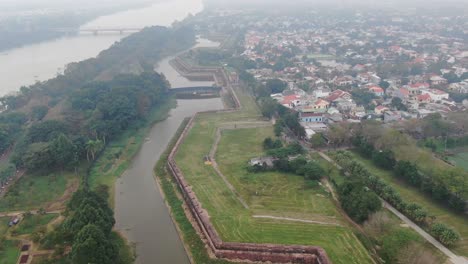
229,250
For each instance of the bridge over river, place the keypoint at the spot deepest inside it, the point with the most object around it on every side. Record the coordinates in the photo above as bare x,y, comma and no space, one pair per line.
194,92
97,31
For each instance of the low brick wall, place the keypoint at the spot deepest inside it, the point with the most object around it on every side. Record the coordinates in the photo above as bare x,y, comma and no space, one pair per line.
237,251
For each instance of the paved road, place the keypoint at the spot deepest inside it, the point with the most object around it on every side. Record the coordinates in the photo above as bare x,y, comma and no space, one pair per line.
455,259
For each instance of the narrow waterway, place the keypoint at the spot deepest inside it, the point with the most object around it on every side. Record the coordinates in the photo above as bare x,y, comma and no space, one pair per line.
140,211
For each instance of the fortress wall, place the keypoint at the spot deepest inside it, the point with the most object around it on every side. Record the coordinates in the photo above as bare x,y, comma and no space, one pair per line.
237,251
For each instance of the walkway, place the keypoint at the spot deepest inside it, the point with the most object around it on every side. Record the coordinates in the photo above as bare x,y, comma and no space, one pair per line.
455,259
294,220
214,148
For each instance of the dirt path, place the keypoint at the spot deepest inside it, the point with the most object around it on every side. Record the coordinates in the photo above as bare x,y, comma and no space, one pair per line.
294,220
214,148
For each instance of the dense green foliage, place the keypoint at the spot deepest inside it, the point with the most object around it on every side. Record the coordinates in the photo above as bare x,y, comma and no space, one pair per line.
357,200
10,124
105,110
438,189
414,211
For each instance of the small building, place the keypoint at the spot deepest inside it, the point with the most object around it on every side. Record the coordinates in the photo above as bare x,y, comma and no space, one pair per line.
424,98
377,91
436,95
321,93
311,117
262,161
391,116
437,80
379,110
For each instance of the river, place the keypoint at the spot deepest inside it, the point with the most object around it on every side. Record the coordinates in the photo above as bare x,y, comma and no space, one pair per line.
140,211
42,61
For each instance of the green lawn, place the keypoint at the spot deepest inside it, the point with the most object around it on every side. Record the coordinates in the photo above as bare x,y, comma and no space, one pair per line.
33,191
460,159
30,223
411,194
272,194
9,252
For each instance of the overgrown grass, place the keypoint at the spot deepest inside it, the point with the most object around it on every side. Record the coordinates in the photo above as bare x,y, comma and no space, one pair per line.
31,223
119,153
126,251
172,196
337,178
272,193
460,158
10,252
410,193
32,191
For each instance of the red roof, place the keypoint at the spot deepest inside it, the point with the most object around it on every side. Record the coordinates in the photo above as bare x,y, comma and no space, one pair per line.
424,97
289,98
376,89
320,101
381,107
404,91
419,85
336,94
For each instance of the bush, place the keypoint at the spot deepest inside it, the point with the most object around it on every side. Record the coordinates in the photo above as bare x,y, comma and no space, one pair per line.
358,201
393,242
445,234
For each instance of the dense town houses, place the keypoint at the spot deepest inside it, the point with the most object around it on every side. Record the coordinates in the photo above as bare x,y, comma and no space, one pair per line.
355,71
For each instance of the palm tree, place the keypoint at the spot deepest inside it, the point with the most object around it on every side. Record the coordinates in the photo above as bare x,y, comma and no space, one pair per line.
92,147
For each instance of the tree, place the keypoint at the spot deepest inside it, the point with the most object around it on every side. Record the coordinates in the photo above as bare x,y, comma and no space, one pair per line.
312,171
92,246
384,84
398,104
276,85
38,157
63,151
39,112
451,77
358,201
318,140
93,147
278,127
384,158
408,171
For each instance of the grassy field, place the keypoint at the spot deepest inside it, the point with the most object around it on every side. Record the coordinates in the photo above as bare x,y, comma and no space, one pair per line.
30,223
10,252
34,191
272,194
411,194
460,159
119,153
397,225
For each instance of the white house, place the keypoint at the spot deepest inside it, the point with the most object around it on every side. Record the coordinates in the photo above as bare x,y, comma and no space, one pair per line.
436,95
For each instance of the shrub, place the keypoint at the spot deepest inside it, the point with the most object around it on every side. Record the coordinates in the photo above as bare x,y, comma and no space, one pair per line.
444,234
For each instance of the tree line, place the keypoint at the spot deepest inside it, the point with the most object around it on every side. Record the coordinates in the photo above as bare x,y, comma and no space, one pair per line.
445,189
414,211
99,111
